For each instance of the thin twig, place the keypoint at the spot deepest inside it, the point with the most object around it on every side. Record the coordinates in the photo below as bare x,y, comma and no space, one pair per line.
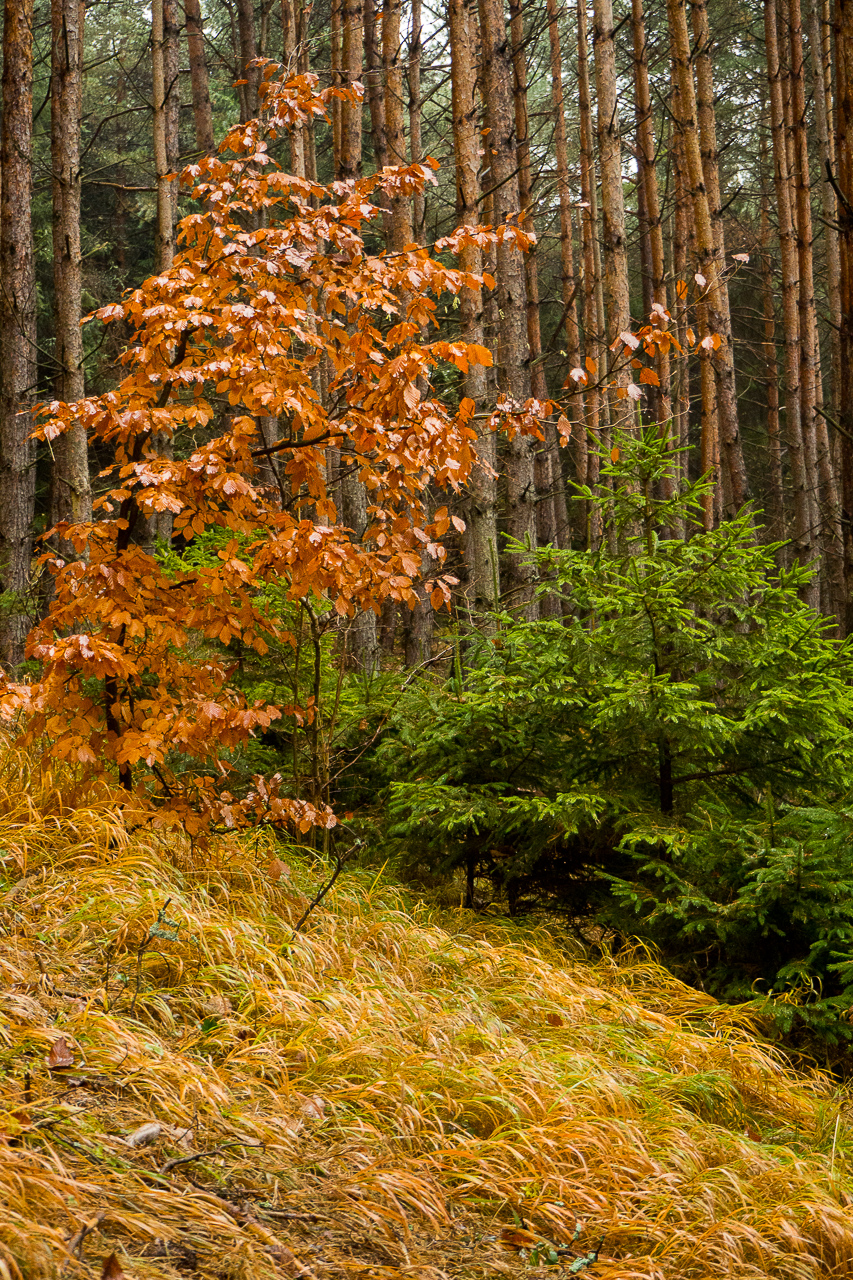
75,1244
318,898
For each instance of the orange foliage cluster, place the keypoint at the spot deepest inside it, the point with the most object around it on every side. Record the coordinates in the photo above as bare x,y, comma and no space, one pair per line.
275,307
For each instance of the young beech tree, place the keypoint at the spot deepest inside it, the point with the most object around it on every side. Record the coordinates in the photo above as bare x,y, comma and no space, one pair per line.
272,286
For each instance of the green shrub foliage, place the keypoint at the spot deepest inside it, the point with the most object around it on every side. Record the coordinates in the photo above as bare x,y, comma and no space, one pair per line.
669,759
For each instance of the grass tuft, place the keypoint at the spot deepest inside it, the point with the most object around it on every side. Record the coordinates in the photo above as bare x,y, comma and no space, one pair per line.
383,1095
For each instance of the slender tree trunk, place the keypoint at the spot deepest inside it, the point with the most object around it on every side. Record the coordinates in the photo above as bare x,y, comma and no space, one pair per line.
165,237
290,55
716,294
568,292
593,329
546,477
415,141
802,523
337,80
352,55
303,14
681,255
481,540
17,329
648,187
776,521
365,645
402,233
828,206
614,242
248,53
373,84
202,112
844,163
172,96
826,494
513,360
71,491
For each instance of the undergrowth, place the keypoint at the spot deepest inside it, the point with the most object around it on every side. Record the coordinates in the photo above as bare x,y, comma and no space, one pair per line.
387,1093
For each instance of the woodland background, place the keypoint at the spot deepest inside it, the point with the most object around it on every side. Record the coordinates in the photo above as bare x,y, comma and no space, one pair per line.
471,476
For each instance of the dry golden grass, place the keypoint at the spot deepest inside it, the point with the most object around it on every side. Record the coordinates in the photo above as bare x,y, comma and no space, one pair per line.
380,1096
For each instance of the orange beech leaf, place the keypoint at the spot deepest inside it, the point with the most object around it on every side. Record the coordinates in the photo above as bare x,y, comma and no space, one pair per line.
140,654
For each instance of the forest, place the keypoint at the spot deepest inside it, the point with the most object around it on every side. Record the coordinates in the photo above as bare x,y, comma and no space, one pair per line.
426,639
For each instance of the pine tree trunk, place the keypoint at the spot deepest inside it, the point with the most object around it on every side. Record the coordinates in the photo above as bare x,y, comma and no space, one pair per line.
614,242
248,52
844,178
513,359
828,206
290,56
352,56
681,255
165,235
172,96
715,294
481,538
373,84
568,292
17,330
776,521
802,522
395,120
593,303
71,491
648,189
337,80
415,141
199,80
823,482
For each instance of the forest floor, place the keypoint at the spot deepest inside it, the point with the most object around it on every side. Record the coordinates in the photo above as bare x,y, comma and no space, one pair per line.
187,1088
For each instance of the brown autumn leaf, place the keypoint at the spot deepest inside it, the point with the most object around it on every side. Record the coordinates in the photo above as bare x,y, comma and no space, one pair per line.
111,1269
60,1056
518,1238
278,870
554,1020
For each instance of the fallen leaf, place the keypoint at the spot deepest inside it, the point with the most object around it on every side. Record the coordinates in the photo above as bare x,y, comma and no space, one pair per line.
517,1238
60,1055
314,1107
145,1135
554,1020
278,870
112,1269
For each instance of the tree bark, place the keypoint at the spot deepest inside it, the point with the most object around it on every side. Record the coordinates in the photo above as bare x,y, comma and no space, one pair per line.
352,60
199,79
614,242
568,292
373,79
776,521
481,535
593,300
844,178
828,205
513,357
248,53
802,522
715,292
395,121
71,491
415,139
648,187
826,498
165,235
17,330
